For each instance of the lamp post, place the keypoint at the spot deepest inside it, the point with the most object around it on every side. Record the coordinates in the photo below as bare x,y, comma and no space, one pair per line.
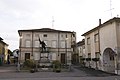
19,55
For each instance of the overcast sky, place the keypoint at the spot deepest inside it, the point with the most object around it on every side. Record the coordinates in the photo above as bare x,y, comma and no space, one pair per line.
72,15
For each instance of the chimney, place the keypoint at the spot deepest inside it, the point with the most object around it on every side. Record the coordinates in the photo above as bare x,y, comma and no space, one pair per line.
99,22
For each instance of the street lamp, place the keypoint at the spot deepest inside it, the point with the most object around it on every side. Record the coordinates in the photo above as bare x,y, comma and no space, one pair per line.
19,55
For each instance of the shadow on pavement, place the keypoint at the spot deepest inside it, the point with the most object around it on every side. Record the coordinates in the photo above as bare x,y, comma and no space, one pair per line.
93,72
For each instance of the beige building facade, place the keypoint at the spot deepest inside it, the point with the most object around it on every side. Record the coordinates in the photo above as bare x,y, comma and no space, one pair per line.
81,50
59,44
103,43
3,51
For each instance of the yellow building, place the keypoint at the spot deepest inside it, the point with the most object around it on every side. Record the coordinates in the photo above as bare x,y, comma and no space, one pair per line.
3,51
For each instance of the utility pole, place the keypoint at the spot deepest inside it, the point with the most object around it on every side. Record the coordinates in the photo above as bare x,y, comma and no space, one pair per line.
53,22
111,8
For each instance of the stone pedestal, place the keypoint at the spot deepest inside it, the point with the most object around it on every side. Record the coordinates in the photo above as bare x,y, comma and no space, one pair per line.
44,60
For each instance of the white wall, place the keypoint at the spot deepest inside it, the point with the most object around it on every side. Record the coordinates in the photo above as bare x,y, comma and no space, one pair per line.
108,37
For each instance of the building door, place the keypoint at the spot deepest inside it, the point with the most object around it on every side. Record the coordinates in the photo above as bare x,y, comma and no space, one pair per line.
63,58
108,60
27,56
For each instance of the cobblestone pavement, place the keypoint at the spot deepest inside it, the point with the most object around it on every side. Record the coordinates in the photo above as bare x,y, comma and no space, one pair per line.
77,73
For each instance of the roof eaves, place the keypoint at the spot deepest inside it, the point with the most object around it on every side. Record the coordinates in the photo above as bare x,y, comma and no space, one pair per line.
43,30
88,32
80,43
102,25
4,43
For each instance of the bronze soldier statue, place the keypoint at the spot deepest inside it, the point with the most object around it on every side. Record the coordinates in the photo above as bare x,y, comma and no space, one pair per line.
43,45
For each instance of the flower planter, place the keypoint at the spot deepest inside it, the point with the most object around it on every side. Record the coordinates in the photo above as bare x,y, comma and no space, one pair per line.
95,59
58,70
88,59
56,66
32,70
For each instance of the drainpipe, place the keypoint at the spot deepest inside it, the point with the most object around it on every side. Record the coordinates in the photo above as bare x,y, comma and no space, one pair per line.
20,46
66,50
99,36
116,53
32,44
